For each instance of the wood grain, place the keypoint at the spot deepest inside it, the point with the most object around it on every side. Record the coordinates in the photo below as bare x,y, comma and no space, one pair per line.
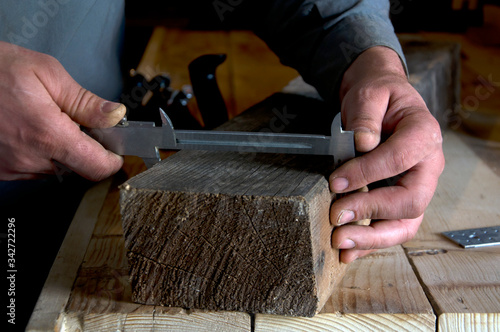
379,292
254,237
101,295
460,283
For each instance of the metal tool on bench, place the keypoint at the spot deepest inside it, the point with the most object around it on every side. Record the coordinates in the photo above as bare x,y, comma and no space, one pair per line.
144,139
144,97
475,237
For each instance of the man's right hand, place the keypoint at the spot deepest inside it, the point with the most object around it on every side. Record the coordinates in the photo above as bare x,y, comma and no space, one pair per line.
41,108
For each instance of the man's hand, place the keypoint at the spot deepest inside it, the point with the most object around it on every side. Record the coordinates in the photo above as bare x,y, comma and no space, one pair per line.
40,109
377,103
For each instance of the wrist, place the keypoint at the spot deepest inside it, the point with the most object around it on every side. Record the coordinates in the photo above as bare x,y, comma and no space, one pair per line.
375,62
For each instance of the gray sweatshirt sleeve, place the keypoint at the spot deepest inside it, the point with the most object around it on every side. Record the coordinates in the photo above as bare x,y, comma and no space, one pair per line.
322,38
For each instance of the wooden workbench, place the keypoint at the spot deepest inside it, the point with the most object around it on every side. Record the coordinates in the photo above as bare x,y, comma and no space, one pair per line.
425,284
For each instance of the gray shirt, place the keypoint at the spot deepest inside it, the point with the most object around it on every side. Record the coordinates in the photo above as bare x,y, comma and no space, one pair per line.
85,36
319,38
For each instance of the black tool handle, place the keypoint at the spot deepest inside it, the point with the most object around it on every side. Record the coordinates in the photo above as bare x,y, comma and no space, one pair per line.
210,102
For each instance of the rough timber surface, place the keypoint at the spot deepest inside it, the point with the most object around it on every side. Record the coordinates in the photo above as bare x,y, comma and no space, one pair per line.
234,231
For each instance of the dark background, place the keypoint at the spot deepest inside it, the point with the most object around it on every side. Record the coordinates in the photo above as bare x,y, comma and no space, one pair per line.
406,16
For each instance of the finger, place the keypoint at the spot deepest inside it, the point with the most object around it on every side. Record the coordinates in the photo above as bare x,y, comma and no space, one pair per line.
81,105
82,154
363,111
23,176
378,235
407,199
416,137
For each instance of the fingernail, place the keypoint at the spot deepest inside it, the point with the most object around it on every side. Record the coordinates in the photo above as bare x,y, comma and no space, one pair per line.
339,184
365,139
118,158
109,106
347,244
345,217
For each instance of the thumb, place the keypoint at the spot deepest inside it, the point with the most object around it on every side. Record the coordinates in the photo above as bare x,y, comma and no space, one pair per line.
364,116
80,104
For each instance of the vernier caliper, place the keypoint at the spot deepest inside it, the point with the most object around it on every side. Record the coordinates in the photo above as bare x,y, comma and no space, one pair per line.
144,139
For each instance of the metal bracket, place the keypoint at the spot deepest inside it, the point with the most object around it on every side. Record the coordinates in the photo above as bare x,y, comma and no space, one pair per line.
475,237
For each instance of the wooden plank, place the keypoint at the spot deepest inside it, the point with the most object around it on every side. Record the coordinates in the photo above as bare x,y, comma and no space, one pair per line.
256,71
159,319
346,322
56,291
469,322
463,285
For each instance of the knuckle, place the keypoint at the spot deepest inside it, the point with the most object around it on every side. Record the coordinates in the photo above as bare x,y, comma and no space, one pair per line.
442,163
374,211
371,91
48,63
417,204
99,174
49,59
80,102
434,130
408,231
399,161
363,174
376,243
95,166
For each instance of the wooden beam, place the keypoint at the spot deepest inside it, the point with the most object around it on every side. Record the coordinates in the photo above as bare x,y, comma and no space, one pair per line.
235,231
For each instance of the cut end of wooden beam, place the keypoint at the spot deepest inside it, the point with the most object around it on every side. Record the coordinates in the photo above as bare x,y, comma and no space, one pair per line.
257,239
